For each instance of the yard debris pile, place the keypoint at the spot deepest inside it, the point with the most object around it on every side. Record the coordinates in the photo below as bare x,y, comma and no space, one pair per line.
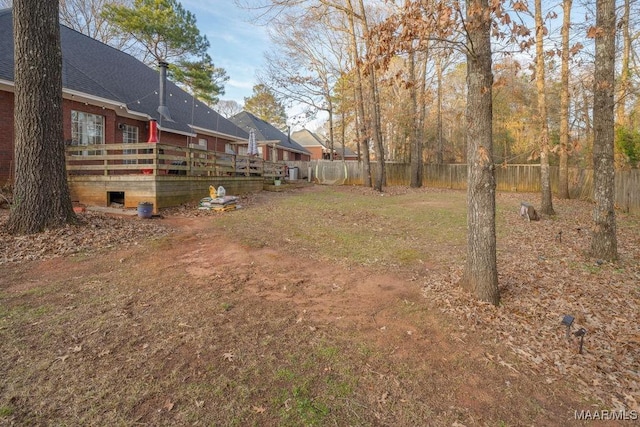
192,209
218,201
218,204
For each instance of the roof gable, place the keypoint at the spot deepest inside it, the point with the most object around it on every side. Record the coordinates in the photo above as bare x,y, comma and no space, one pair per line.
266,131
310,139
307,138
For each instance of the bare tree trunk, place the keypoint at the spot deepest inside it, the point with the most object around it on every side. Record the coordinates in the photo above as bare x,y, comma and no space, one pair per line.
378,144
422,102
588,125
623,87
545,179
331,137
439,142
416,143
376,130
481,273
363,143
41,192
563,181
364,131
604,241
343,132
356,125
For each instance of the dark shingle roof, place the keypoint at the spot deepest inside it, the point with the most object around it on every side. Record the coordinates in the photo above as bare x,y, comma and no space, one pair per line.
307,138
6,45
266,132
98,70
310,139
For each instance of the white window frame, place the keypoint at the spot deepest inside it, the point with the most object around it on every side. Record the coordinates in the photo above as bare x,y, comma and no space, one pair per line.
87,129
130,135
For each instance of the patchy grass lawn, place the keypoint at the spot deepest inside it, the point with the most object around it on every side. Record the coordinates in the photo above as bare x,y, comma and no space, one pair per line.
322,306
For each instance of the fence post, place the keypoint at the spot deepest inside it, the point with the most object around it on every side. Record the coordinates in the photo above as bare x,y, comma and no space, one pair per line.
155,159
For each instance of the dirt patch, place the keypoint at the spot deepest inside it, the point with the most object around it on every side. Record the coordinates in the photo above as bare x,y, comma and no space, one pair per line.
193,325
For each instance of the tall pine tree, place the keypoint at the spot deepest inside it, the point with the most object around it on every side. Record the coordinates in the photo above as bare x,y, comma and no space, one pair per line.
264,105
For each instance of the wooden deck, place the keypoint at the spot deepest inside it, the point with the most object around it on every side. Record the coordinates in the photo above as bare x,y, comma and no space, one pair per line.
161,174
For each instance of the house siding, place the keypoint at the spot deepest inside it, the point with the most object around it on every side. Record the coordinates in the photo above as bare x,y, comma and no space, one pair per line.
316,152
112,133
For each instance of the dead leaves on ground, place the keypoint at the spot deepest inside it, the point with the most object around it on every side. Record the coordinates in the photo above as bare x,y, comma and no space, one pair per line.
95,232
542,278
544,273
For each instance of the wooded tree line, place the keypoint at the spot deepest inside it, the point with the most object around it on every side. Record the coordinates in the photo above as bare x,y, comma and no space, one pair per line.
412,63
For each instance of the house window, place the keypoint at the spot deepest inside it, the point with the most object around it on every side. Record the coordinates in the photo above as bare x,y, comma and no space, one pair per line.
242,150
87,129
129,136
202,142
285,155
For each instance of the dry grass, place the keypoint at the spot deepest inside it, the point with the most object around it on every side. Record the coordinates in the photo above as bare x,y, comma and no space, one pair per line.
324,306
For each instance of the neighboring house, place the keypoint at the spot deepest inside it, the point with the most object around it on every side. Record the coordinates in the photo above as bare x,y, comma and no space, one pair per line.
109,97
319,147
273,144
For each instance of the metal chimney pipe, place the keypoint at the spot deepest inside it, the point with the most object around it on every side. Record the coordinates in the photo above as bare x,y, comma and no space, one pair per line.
162,107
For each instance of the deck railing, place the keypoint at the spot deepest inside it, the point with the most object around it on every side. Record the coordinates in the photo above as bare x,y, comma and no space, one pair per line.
164,159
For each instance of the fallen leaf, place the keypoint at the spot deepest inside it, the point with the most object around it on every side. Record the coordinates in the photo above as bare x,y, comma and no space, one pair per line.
168,405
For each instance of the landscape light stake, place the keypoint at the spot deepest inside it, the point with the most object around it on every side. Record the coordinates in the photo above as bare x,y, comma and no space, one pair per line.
568,321
580,333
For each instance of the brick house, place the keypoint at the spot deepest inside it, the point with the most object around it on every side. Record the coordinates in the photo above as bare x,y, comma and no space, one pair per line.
110,97
319,146
273,144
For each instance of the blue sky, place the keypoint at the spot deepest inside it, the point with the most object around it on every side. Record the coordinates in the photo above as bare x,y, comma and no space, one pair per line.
237,45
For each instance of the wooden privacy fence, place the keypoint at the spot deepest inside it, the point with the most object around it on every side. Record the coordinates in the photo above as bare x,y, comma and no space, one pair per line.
163,159
515,178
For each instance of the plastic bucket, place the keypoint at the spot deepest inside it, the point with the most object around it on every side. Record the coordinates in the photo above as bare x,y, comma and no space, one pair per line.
145,209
